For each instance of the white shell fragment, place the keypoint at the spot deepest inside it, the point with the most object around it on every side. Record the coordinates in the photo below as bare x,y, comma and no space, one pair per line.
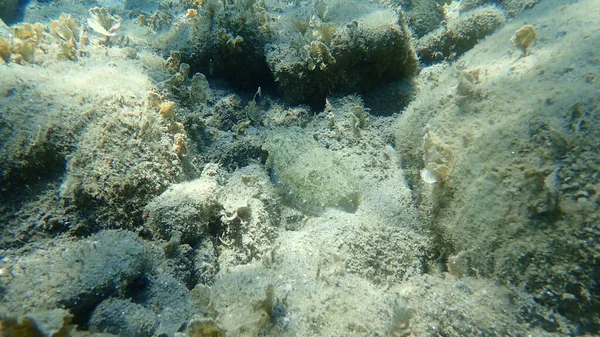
429,177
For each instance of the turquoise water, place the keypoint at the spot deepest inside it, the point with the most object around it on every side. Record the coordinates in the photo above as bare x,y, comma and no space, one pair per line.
299,168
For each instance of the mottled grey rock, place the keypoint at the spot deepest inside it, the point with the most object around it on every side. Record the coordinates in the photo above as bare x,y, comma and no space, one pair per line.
123,318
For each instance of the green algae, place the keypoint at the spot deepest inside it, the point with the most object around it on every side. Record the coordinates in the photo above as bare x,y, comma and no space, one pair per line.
311,177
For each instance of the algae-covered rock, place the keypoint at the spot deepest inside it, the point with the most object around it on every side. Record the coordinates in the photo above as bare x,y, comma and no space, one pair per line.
188,209
250,217
352,48
471,307
123,318
511,7
77,275
37,324
460,34
308,50
518,185
95,279
226,40
312,178
423,16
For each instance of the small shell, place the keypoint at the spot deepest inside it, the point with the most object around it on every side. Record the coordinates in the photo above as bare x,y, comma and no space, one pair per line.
429,177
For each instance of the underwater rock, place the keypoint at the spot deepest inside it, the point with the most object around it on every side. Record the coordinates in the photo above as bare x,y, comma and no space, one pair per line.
204,327
250,216
511,7
308,51
119,165
312,178
77,275
424,16
170,301
471,307
520,174
164,309
123,318
148,6
459,35
49,323
514,7
346,52
187,208
226,40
